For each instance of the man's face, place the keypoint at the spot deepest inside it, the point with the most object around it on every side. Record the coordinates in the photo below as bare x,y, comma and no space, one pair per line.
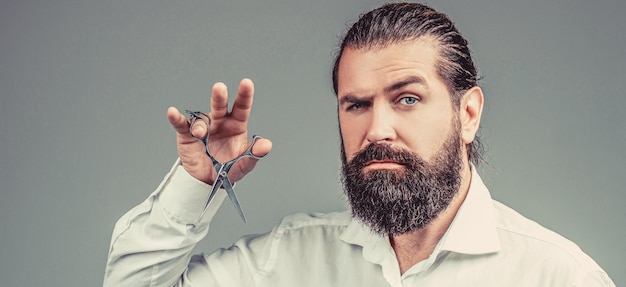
393,95
401,136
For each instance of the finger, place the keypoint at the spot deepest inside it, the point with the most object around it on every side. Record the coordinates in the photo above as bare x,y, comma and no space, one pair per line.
178,120
262,147
219,101
199,129
181,124
243,101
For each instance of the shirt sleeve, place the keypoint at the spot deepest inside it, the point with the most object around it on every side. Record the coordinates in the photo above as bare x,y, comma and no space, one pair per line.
152,243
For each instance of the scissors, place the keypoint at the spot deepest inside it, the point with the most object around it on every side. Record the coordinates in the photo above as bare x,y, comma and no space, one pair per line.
221,169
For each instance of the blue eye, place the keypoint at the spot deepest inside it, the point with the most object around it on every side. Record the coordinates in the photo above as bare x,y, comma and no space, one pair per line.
409,101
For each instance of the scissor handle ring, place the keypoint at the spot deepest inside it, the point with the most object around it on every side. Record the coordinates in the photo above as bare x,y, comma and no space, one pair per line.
194,117
248,152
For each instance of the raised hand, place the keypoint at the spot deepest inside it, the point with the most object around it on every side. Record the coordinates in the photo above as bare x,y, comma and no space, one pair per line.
228,135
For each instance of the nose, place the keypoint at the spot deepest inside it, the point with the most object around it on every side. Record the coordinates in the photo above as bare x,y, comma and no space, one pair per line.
381,127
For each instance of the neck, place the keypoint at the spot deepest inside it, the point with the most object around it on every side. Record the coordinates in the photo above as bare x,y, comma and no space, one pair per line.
418,245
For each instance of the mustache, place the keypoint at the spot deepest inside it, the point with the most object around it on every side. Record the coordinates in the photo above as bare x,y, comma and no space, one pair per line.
375,151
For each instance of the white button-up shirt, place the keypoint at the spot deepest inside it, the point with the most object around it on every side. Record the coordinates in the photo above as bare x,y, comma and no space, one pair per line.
487,244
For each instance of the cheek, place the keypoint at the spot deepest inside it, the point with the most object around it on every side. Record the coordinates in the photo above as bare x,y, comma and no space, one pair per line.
425,135
352,136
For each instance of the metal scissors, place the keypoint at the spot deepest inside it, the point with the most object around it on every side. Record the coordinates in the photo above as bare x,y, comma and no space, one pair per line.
221,169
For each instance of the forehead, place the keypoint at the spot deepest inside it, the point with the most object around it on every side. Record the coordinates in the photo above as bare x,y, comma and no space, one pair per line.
366,68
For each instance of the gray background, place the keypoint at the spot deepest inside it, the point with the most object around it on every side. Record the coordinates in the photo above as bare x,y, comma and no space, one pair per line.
84,86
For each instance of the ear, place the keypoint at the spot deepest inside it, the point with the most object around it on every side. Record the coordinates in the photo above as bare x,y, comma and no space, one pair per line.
471,109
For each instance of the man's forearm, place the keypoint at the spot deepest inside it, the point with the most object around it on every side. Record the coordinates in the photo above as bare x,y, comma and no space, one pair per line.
152,243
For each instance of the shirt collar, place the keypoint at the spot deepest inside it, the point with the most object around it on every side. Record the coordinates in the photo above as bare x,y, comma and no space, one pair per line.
473,230
358,234
375,249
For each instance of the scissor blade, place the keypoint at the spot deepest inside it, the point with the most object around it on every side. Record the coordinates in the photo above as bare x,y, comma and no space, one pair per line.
214,188
233,198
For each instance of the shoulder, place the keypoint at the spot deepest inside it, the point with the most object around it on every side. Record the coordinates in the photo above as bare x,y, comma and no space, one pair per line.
512,223
301,232
310,231
298,221
529,240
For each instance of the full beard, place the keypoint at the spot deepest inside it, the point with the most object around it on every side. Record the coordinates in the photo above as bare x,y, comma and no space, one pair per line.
402,200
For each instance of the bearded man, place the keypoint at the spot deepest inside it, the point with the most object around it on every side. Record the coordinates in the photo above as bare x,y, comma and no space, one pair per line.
409,108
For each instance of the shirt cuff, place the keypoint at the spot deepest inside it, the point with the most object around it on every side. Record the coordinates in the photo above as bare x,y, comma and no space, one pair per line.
183,197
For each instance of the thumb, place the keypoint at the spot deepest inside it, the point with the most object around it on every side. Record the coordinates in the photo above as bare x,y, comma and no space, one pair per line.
262,147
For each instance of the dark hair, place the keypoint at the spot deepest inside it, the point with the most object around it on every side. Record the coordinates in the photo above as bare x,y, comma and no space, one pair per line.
401,22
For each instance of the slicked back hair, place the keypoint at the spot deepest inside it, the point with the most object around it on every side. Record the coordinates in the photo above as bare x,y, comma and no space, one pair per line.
402,22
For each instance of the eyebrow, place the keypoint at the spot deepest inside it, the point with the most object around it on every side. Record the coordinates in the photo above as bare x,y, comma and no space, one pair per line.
405,82
350,98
